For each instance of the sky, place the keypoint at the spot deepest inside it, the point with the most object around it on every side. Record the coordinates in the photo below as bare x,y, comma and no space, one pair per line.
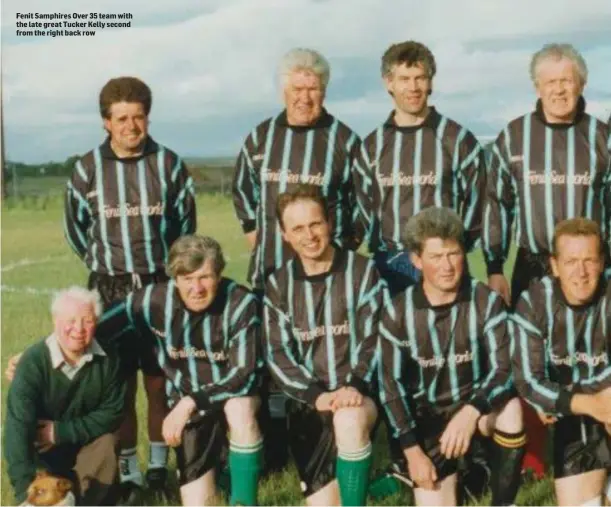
212,64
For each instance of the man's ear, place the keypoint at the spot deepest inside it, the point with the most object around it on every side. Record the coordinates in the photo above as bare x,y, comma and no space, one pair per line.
416,260
554,264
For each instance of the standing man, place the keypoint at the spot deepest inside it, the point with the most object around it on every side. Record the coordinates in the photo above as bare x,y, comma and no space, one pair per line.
64,404
445,368
546,166
321,332
416,159
561,359
127,201
303,144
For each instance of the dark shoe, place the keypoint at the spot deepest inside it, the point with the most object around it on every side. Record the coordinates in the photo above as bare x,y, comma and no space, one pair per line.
156,478
130,493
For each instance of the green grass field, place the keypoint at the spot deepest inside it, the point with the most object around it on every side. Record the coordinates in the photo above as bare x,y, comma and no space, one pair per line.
36,260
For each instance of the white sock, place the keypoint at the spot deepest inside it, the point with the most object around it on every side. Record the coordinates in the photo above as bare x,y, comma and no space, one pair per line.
158,455
128,466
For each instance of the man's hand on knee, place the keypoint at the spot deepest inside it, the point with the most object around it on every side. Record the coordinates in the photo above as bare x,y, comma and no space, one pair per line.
456,438
324,401
175,421
420,467
346,397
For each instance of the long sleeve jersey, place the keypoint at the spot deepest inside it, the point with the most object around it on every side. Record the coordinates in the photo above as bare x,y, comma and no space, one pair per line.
321,331
123,214
435,359
560,349
210,355
541,174
275,158
403,170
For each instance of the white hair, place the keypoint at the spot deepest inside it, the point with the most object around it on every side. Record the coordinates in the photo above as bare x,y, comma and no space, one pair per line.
78,294
305,59
557,52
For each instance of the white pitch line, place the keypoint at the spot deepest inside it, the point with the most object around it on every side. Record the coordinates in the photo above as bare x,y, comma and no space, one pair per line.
31,262
35,291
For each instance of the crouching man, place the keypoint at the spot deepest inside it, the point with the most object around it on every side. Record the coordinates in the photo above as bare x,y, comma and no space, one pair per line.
320,334
64,404
562,326
203,329
445,368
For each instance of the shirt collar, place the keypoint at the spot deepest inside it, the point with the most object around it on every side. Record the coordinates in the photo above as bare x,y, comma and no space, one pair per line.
324,120
581,109
422,302
150,146
431,121
339,261
57,356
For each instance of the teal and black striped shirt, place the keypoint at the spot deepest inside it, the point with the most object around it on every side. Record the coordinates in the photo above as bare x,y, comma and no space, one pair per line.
123,214
275,158
210,355
403,170
435,359
540,174
321,331
560,349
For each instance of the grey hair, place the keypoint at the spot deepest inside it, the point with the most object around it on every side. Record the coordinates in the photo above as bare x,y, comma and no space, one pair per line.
441,223
189,253
557,52
305,59
78,294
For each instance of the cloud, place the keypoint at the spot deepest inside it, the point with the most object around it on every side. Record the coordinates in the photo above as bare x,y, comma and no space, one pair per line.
212,64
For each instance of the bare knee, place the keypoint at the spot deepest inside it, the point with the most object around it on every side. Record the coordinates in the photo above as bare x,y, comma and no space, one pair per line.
353,424
509,418
241,417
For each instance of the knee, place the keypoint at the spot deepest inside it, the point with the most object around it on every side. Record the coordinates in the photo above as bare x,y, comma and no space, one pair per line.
241,412
510,418
351,421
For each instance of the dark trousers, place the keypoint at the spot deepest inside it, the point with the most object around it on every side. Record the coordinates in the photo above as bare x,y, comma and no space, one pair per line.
92,469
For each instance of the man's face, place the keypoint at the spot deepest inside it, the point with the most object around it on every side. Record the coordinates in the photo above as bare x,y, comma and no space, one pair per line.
558,86
127,125
442,264
198,288
306,229
74,326
578,265
303,97
409,87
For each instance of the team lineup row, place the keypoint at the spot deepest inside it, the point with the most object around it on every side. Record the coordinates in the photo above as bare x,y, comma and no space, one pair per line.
545,167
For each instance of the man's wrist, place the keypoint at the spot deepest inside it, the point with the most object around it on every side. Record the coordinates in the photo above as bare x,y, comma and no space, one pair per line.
579,404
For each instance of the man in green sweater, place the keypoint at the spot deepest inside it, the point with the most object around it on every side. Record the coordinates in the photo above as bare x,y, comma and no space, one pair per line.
64,404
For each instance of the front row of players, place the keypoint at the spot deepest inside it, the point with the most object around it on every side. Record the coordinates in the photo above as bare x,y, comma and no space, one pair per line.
444,359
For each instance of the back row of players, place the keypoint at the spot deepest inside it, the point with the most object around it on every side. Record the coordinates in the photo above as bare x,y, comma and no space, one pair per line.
130,199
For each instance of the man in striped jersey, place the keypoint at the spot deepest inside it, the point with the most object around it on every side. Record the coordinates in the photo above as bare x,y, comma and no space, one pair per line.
445,370
303,144
320,335
417,158
126,202
203,329
546,166
561,359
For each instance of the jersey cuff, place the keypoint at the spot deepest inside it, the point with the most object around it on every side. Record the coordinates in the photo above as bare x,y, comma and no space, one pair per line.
563,403
481,404
359,384
202,401
249,226
495,267
408,439
312,393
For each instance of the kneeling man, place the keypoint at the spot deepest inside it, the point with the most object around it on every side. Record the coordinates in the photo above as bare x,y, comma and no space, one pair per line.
320,334
64,404
203,329
562,326
445,369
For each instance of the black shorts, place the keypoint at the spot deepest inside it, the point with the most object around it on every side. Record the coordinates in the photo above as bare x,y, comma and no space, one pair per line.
134,354
202,442
581,445
312,443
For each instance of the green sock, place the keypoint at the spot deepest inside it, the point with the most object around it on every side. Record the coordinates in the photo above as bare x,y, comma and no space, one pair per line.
244,468
353,475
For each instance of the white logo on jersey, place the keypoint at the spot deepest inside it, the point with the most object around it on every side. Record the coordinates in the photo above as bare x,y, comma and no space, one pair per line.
92,194
257,156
